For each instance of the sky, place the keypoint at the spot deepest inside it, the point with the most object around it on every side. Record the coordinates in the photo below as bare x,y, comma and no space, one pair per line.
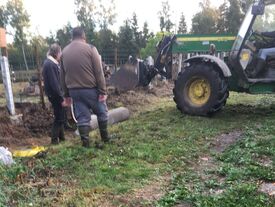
50,15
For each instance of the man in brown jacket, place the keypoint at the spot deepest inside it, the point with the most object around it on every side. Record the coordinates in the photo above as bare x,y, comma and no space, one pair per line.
83,80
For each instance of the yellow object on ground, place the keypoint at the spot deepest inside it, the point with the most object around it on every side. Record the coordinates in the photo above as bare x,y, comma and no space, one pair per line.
28,152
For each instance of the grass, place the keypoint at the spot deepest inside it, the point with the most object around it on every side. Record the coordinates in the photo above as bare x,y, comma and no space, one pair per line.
158,141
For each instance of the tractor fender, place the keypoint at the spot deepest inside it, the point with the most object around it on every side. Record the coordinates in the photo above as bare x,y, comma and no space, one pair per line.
206,58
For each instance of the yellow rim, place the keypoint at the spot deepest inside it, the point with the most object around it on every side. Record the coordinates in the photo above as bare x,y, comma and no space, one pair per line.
199,91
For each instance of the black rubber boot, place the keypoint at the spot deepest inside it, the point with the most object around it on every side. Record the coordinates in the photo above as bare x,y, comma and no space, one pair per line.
259,67
55,133
61,133
84,134
102,125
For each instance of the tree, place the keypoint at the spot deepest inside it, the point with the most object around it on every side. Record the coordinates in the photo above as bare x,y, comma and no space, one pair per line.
182,25
3,16
39,45
145,35
140,36
50,39
106,44
85,12
126,44
106,15
18,19
137,35
234,16
245,4
64,35
204,22
150,49
222,25
164,17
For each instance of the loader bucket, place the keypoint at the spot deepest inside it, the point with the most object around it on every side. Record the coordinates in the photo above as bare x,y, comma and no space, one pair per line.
125,78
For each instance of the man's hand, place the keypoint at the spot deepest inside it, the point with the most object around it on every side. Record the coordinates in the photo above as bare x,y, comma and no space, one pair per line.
102,98
67,102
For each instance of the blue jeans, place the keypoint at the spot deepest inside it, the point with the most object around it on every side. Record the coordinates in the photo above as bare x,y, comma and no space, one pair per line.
85,103
263,53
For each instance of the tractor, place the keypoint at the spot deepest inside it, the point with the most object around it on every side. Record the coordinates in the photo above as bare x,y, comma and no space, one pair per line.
203,85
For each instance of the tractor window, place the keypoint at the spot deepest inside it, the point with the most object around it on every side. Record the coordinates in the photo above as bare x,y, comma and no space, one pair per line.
266,22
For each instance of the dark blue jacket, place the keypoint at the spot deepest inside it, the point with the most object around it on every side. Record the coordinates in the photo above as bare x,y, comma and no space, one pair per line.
51,76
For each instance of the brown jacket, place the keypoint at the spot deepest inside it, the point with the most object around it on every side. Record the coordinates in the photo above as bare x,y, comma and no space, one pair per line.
81,67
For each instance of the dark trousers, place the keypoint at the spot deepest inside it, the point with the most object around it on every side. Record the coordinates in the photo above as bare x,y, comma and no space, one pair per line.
58,111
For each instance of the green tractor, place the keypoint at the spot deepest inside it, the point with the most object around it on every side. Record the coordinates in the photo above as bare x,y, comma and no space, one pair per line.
203,85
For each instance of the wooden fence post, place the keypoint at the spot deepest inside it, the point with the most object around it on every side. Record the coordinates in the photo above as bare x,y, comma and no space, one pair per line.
39,77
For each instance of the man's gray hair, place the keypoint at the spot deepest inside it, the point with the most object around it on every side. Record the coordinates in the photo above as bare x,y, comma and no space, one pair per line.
54,50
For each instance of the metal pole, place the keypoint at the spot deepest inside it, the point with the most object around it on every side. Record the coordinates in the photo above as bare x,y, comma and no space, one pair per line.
7,82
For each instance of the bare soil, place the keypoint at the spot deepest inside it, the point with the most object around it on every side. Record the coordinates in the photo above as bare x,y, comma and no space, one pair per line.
225,140
140,97
33,129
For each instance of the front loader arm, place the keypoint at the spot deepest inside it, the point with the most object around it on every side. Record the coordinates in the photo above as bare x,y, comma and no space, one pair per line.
163,60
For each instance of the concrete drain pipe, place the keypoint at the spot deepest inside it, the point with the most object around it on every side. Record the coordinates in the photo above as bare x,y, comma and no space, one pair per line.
114,116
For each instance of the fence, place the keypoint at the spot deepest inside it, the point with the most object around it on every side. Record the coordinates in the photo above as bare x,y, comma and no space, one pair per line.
21,76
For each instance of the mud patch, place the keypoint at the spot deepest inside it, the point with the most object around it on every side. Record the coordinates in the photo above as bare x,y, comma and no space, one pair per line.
183,205
225,140
153,191
268,188
264,161
148,194
207,164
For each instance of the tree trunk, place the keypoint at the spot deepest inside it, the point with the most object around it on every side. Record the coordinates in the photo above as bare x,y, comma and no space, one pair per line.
24,56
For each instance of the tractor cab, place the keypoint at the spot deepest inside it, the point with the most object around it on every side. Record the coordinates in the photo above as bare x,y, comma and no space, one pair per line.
253,54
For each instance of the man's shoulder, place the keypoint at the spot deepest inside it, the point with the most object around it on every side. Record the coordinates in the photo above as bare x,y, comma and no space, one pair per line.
77,45
49,63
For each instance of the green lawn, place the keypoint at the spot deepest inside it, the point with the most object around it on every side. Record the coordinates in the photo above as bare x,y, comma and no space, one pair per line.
158,151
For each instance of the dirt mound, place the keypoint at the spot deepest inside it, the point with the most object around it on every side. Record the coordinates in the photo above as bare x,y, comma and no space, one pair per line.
9,131
35,124
140,97
37,120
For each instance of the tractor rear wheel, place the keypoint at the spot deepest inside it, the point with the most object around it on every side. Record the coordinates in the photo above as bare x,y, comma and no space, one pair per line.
200,90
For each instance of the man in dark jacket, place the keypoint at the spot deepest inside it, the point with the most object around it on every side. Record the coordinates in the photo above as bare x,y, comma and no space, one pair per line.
51,75
83,79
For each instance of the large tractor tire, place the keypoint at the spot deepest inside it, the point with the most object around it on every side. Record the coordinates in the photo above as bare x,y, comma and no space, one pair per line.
200,90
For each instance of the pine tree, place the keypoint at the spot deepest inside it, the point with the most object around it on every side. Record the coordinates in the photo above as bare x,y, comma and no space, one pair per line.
222,26
182,25
204,22
164,17
234,16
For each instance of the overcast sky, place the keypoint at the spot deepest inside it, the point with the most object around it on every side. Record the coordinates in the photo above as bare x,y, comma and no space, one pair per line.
50,15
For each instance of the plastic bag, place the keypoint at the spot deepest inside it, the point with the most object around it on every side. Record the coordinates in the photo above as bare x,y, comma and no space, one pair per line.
29,152
6,156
